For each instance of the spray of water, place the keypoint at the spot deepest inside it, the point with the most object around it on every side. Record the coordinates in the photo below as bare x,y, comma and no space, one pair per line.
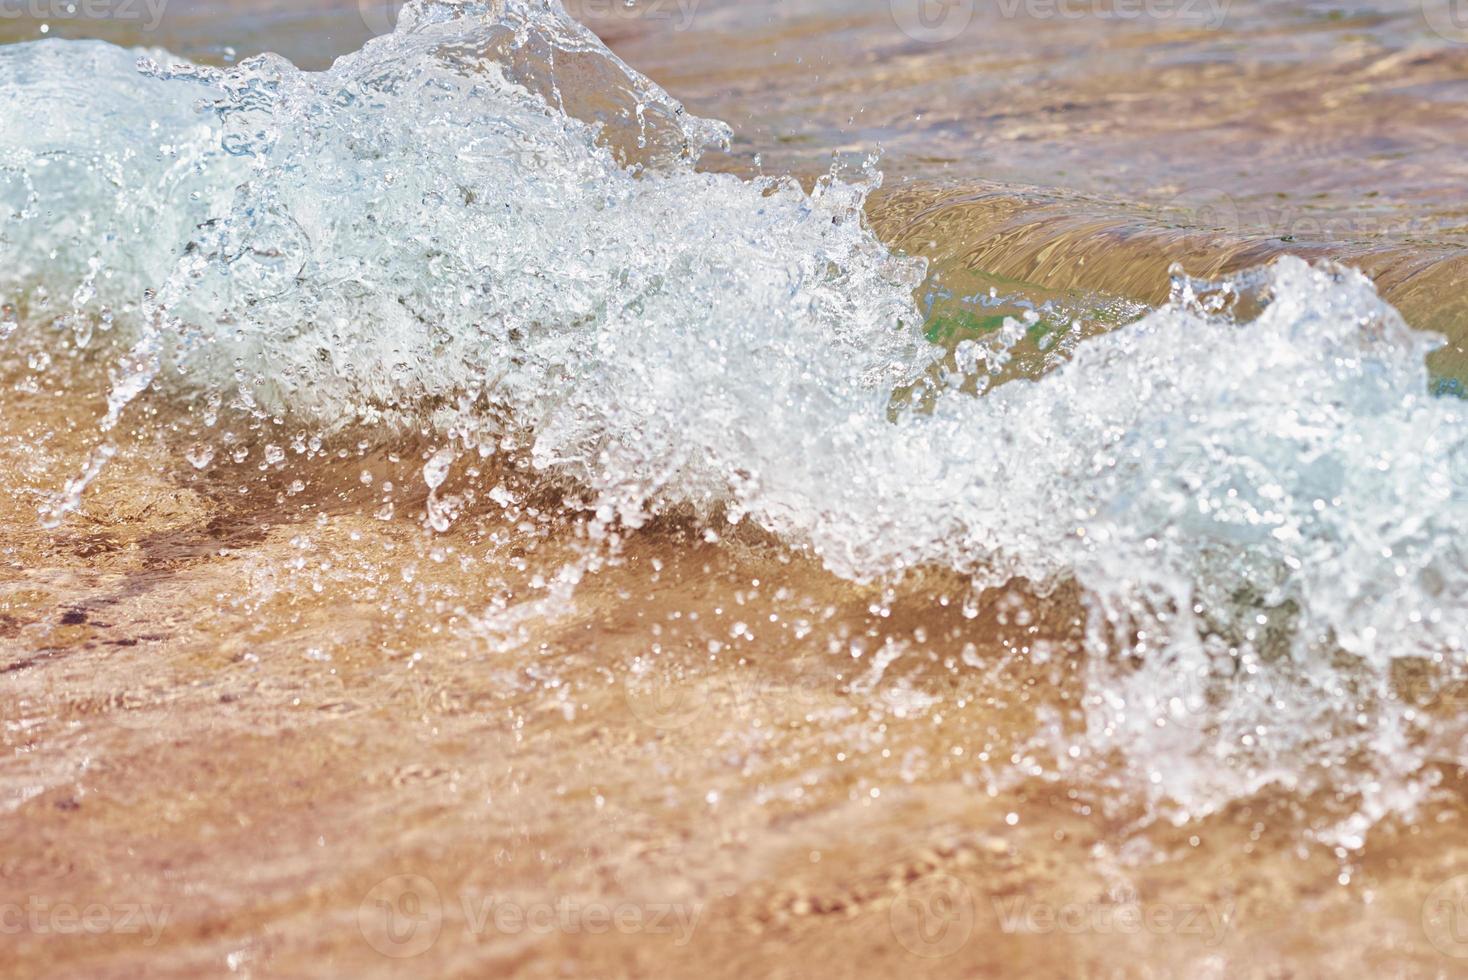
487,228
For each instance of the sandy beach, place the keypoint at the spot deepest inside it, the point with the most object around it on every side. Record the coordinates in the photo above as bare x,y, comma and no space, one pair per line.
276,704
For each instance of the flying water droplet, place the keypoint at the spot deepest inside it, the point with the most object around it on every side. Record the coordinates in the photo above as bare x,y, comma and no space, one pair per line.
200,455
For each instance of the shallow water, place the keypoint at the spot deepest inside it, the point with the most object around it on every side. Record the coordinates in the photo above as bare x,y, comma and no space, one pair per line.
402,487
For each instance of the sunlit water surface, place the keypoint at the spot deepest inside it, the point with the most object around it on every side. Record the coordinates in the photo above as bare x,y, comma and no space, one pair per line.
467,463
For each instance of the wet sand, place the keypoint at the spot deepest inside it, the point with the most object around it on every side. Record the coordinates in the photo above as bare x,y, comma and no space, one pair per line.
252,729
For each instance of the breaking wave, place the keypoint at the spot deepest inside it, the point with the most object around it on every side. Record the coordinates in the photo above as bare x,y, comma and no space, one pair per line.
487,228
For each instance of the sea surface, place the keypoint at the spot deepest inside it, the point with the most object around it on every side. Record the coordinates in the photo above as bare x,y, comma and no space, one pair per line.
768,487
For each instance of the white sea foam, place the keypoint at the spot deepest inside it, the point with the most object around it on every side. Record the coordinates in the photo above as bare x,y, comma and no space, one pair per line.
488,226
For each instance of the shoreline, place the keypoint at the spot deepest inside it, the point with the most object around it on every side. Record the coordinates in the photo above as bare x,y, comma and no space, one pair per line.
259,760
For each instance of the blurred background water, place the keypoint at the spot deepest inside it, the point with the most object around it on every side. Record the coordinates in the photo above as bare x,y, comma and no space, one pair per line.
1058,147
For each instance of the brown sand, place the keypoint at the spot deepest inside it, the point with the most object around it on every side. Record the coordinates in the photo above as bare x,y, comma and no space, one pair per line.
269,734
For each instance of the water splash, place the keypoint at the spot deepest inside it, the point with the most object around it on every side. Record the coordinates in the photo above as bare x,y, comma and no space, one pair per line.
487,228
